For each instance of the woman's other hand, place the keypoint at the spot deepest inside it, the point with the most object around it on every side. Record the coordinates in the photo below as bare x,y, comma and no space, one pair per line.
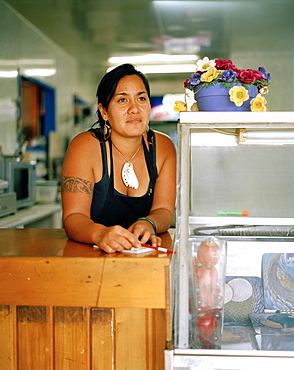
116,238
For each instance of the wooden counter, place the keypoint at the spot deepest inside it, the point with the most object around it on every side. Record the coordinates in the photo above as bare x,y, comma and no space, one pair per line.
65,305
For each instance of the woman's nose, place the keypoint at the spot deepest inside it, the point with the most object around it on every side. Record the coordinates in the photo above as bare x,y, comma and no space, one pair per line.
133,107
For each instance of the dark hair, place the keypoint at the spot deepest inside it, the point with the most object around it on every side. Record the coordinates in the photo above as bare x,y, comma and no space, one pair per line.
109,82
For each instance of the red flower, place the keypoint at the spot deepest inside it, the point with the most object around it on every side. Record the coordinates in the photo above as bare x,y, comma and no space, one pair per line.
224,64
258,75
248,76
186,83
237,70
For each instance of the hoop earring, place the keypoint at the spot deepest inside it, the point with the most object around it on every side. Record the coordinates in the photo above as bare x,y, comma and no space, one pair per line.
106,130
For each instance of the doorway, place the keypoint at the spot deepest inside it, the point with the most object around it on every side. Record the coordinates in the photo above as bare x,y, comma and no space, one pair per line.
36,121
37,108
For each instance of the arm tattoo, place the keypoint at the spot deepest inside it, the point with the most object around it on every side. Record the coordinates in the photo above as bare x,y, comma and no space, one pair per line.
76,185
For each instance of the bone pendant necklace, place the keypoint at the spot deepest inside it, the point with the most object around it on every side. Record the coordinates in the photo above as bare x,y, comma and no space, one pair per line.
128,174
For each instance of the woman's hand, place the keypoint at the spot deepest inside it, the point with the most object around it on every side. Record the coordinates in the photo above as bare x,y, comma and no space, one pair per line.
116,238
143,231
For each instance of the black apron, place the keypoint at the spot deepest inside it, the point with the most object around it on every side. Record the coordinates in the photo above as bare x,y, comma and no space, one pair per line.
109,207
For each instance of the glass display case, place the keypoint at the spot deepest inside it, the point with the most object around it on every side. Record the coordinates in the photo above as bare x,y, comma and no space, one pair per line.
235,189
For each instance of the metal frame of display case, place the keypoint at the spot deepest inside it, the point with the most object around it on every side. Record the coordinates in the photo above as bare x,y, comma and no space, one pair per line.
284,123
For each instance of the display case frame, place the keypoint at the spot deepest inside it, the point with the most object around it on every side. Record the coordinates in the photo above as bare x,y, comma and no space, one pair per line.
280,127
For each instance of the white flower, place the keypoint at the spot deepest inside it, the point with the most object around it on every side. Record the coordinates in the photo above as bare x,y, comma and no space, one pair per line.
204,64
264,90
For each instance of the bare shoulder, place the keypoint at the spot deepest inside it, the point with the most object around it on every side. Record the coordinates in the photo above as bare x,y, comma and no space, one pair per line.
164,144
84,139
165,151
83,157
84,144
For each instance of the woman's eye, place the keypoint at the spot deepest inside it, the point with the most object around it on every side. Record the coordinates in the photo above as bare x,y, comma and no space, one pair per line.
121,100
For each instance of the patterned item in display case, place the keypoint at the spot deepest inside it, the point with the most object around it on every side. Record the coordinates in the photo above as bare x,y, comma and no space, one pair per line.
273,323
278,281
243,295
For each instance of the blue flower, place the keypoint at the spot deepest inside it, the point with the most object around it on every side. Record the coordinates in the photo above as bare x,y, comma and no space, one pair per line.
228,76
264,73
195,79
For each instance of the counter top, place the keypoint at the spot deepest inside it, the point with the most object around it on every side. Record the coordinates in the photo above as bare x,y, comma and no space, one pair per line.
44,267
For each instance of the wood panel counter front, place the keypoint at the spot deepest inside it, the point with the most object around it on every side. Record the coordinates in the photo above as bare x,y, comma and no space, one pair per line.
65,305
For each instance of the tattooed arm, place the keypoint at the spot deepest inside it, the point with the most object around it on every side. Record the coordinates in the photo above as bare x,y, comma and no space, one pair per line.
77,181
75,185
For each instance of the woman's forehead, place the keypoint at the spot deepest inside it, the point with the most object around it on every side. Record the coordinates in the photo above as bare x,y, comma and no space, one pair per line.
129,83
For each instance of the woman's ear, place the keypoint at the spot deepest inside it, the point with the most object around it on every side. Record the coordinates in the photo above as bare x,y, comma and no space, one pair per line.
103,111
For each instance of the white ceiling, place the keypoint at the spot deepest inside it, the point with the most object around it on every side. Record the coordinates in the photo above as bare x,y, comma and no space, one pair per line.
93,30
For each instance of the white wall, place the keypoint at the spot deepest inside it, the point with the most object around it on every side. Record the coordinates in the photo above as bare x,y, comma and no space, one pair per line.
24,46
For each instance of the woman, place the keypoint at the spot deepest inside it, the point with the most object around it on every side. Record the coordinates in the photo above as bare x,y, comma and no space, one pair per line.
118,179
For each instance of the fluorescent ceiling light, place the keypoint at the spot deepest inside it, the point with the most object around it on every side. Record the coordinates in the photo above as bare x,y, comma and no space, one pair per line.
152,58
164,68
8,74
167,68
36,72
44,72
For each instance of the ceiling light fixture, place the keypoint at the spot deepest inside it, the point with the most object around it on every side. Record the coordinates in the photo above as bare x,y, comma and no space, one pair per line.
167,68
40,72
163,68
152,58
8,74
157,63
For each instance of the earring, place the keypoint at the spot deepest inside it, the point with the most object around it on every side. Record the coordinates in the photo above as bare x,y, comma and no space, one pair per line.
106,130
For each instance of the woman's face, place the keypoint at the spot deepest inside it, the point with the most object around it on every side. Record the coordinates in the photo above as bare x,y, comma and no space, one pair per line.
129,109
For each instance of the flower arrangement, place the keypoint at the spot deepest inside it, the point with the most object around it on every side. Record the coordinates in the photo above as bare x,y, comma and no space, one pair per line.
237,81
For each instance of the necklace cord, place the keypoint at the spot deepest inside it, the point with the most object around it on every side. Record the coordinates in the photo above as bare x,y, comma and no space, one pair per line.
133,156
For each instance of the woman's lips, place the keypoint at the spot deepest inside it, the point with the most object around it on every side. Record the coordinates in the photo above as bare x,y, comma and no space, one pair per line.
134,120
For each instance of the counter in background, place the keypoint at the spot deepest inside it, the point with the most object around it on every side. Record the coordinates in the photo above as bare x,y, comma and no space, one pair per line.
38,216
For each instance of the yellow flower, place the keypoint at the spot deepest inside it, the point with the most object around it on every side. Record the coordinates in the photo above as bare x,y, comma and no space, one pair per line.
238,94
180,106
258,103
210,75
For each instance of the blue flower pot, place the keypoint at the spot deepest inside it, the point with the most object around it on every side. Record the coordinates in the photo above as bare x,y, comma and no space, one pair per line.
216,98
